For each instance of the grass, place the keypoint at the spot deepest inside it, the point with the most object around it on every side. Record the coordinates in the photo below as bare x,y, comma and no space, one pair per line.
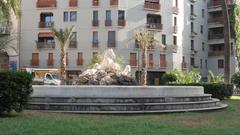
222,122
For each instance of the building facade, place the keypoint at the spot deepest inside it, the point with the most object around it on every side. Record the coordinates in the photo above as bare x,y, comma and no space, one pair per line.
180,26
216,37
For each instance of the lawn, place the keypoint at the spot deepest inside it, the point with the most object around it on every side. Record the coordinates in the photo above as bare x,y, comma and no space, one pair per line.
222,122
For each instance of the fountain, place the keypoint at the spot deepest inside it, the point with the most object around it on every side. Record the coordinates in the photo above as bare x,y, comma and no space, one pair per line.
91,95
107,72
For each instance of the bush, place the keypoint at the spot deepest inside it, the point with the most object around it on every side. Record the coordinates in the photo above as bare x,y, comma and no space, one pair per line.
218,90
168,78
15,90
236,79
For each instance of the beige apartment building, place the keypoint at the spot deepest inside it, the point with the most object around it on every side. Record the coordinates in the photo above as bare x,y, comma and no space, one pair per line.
179,25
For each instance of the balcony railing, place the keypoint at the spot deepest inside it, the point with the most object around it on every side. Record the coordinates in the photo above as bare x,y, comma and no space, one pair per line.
111,43
108,23
218,3
50,62
216,19
46,24
156,26
216,53
175,10
95,23
121,23
45,45
95,44
46,3
113,2
73,3
95,2
216,36
152,5
72,44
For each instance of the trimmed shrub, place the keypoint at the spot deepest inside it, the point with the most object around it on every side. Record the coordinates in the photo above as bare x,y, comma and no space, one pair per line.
236,79
218,90
15,90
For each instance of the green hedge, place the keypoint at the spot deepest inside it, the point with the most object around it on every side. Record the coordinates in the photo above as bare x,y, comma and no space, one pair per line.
15,90
218,90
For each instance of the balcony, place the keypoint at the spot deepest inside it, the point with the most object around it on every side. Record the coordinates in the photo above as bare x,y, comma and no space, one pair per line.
50,62
193,16
111,44
154,26
72,44
45,45
148,5
46,24
108,23
121,23
175,10
193,34
215,36
4,30
46,3
218,3
34,63
113,2
73,3
175,29
216,53
95,23
95,2
216,20
95,44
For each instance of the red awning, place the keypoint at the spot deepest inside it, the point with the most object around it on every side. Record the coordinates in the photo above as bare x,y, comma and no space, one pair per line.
45,34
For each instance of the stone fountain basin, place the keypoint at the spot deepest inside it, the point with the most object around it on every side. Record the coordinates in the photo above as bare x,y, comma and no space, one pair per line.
117,91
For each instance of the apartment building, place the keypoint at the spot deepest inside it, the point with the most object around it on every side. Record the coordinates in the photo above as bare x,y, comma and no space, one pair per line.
9,54
180,26
216,37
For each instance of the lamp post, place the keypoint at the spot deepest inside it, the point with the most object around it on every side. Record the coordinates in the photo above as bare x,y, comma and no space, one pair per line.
139,75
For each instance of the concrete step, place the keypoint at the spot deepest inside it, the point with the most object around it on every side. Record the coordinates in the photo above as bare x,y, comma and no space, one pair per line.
89,107
204,97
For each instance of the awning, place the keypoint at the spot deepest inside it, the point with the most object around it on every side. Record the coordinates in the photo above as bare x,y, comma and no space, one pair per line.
45,34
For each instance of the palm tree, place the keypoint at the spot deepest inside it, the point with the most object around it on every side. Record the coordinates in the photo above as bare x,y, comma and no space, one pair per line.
145,40
63,37
7,6
227,49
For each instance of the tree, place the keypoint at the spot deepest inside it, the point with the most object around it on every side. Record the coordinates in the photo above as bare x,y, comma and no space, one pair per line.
7,7
145,40
227,49
63,37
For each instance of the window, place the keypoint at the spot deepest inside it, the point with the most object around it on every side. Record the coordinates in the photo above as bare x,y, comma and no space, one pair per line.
203,13
176,3
164,39
163,61
201,63
50,59
220,63
73,16
35,60
121,15
95,15
95,36
192,61
206,63
65,16
133,59
151,62
174,40
192,44
108,15
192,27
201,27
175,21
192,9
111,36
80,59
203,46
